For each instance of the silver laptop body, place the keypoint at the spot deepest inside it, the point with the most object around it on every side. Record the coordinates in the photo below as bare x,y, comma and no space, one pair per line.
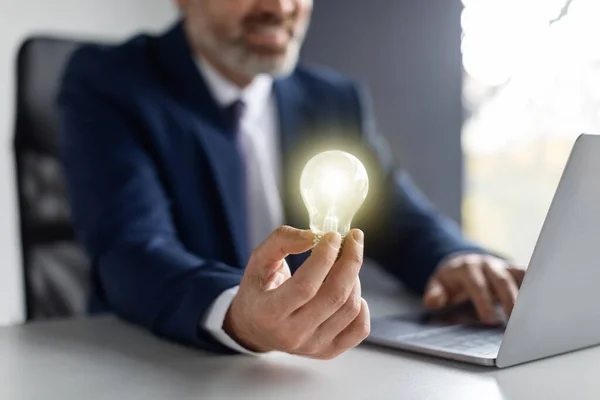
557,309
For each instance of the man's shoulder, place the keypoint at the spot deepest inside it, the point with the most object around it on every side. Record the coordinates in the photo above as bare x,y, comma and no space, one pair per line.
323,79
114,66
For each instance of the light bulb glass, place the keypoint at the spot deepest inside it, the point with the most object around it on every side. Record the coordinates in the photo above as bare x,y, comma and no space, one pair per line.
334,185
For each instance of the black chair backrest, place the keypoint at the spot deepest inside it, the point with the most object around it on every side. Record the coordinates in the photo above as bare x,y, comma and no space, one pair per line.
56,270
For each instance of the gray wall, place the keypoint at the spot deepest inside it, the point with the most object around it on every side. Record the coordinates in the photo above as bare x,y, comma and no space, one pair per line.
408,53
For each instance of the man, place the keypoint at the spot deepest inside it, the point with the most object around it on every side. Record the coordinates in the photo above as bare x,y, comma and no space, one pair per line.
182,152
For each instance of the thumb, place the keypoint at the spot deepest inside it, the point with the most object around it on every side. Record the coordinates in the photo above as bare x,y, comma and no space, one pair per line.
285,240
435,296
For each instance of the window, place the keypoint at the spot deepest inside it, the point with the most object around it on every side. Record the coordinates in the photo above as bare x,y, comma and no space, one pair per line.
531,86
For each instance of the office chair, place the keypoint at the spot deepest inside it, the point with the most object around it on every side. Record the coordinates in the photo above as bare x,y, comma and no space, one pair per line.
56,270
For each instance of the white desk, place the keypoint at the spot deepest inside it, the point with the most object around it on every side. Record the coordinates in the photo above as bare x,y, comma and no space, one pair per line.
104,358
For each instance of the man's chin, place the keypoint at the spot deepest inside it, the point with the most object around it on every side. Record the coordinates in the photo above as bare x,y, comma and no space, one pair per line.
274,65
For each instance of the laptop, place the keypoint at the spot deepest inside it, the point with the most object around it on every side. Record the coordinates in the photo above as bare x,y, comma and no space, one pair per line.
557,309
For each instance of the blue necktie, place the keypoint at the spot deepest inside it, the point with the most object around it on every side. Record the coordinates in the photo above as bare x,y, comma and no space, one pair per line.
234,113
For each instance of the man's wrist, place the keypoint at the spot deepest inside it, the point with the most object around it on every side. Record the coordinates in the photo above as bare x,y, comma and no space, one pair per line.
213,321
236,332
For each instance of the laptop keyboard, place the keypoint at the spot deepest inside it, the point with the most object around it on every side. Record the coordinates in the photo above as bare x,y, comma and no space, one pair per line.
485,342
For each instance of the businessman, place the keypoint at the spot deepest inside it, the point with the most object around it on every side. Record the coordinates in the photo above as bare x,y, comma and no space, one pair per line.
182,154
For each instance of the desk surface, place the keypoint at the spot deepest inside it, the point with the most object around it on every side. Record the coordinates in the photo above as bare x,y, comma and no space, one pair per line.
104,358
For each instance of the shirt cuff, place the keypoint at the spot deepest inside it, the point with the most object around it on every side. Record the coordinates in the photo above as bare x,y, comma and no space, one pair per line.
215,316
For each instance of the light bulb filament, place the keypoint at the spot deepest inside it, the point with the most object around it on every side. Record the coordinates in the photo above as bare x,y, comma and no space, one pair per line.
331,220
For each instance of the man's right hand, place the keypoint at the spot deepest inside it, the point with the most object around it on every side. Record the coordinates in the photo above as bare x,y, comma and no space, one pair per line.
318,312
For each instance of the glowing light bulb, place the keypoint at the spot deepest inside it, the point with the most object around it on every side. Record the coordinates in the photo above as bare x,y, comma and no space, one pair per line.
334,185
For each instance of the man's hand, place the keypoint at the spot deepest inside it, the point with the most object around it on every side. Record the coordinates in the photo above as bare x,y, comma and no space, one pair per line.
318,312
483,279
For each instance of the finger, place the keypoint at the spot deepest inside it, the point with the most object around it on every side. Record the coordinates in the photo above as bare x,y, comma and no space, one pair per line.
475,284
518,274
353,335
459,297
267,257
339,284
331,328
284,241
502,284
279,276
435,296
305,283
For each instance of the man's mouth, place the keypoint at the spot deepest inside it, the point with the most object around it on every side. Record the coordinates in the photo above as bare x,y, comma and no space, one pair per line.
270,38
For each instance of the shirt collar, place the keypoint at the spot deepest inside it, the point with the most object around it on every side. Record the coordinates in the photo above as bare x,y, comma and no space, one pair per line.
255,96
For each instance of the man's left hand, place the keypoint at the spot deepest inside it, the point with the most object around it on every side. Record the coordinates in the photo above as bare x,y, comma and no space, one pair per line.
483,279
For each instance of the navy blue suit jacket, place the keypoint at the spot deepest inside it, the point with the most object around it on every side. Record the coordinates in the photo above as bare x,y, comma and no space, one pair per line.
155,181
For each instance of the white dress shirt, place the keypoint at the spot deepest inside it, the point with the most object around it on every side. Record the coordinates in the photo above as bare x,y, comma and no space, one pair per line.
260,140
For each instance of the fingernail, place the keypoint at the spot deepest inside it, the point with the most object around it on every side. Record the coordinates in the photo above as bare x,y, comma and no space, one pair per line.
358,236
334,239
308,235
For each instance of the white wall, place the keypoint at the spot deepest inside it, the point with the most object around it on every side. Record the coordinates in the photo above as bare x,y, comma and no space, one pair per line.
110,19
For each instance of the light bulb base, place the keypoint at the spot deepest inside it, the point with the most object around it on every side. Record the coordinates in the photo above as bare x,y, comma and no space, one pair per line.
318,236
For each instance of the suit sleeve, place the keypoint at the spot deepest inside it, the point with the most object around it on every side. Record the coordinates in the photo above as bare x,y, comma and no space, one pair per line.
405,232
122,214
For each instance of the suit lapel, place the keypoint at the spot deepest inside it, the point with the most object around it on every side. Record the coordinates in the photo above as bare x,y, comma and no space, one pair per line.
229,173
174,55
182,75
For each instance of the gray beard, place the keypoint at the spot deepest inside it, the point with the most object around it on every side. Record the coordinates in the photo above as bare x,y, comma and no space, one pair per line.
236,57
240,59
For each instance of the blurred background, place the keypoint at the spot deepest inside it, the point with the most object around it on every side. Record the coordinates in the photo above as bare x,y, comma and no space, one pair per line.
531,86
481,100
